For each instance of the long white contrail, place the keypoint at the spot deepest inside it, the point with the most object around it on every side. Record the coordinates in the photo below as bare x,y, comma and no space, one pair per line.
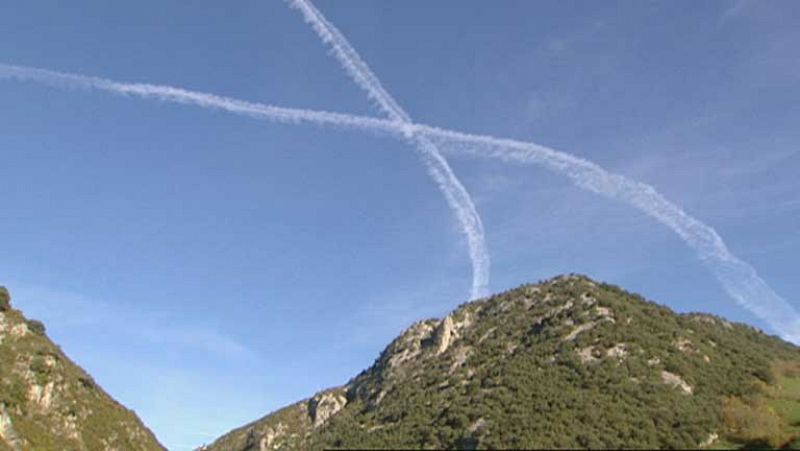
456,195
183,96
737,277
350,60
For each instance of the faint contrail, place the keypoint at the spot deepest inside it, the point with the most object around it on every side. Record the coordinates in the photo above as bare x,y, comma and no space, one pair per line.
457,196
739,278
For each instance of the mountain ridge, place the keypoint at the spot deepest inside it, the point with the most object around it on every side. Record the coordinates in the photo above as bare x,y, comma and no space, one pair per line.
568,362
47,402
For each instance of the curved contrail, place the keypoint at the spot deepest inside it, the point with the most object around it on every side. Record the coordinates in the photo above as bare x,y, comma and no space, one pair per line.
457,196
738,278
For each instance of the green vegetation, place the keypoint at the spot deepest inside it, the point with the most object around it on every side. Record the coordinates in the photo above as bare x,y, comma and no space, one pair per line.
53,404
36,326
568,363
5,299
769,415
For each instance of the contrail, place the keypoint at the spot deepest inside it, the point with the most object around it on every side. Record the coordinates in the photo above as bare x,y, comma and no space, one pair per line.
456,195
186,97
738,278
350,60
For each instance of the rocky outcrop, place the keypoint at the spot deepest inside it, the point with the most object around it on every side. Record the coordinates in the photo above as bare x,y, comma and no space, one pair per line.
7,432
712,437
593,353
618,351
676,381
325,405
577,331
685,345
270,436
587,354
409,345
444,335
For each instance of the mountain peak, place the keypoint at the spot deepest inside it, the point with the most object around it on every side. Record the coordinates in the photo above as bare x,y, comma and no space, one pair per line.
568,362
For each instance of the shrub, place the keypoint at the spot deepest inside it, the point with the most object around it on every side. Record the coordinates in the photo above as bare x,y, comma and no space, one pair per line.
752,422
5,299
36,326
40,370
786,369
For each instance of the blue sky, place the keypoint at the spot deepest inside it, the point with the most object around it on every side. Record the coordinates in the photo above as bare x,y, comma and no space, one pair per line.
207,268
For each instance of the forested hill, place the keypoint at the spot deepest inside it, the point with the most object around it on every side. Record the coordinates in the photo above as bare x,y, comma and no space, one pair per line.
561,364
49,403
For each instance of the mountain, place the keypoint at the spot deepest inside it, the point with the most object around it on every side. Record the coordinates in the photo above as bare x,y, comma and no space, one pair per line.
49,403
566,363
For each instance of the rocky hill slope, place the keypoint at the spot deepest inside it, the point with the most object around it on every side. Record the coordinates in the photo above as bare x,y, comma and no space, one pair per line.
49,403
566,363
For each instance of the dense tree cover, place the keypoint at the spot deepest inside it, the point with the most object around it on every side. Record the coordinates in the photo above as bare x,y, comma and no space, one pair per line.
566,363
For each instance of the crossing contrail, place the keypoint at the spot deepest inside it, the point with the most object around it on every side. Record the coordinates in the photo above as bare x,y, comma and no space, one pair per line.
210,101
456,195
738,278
